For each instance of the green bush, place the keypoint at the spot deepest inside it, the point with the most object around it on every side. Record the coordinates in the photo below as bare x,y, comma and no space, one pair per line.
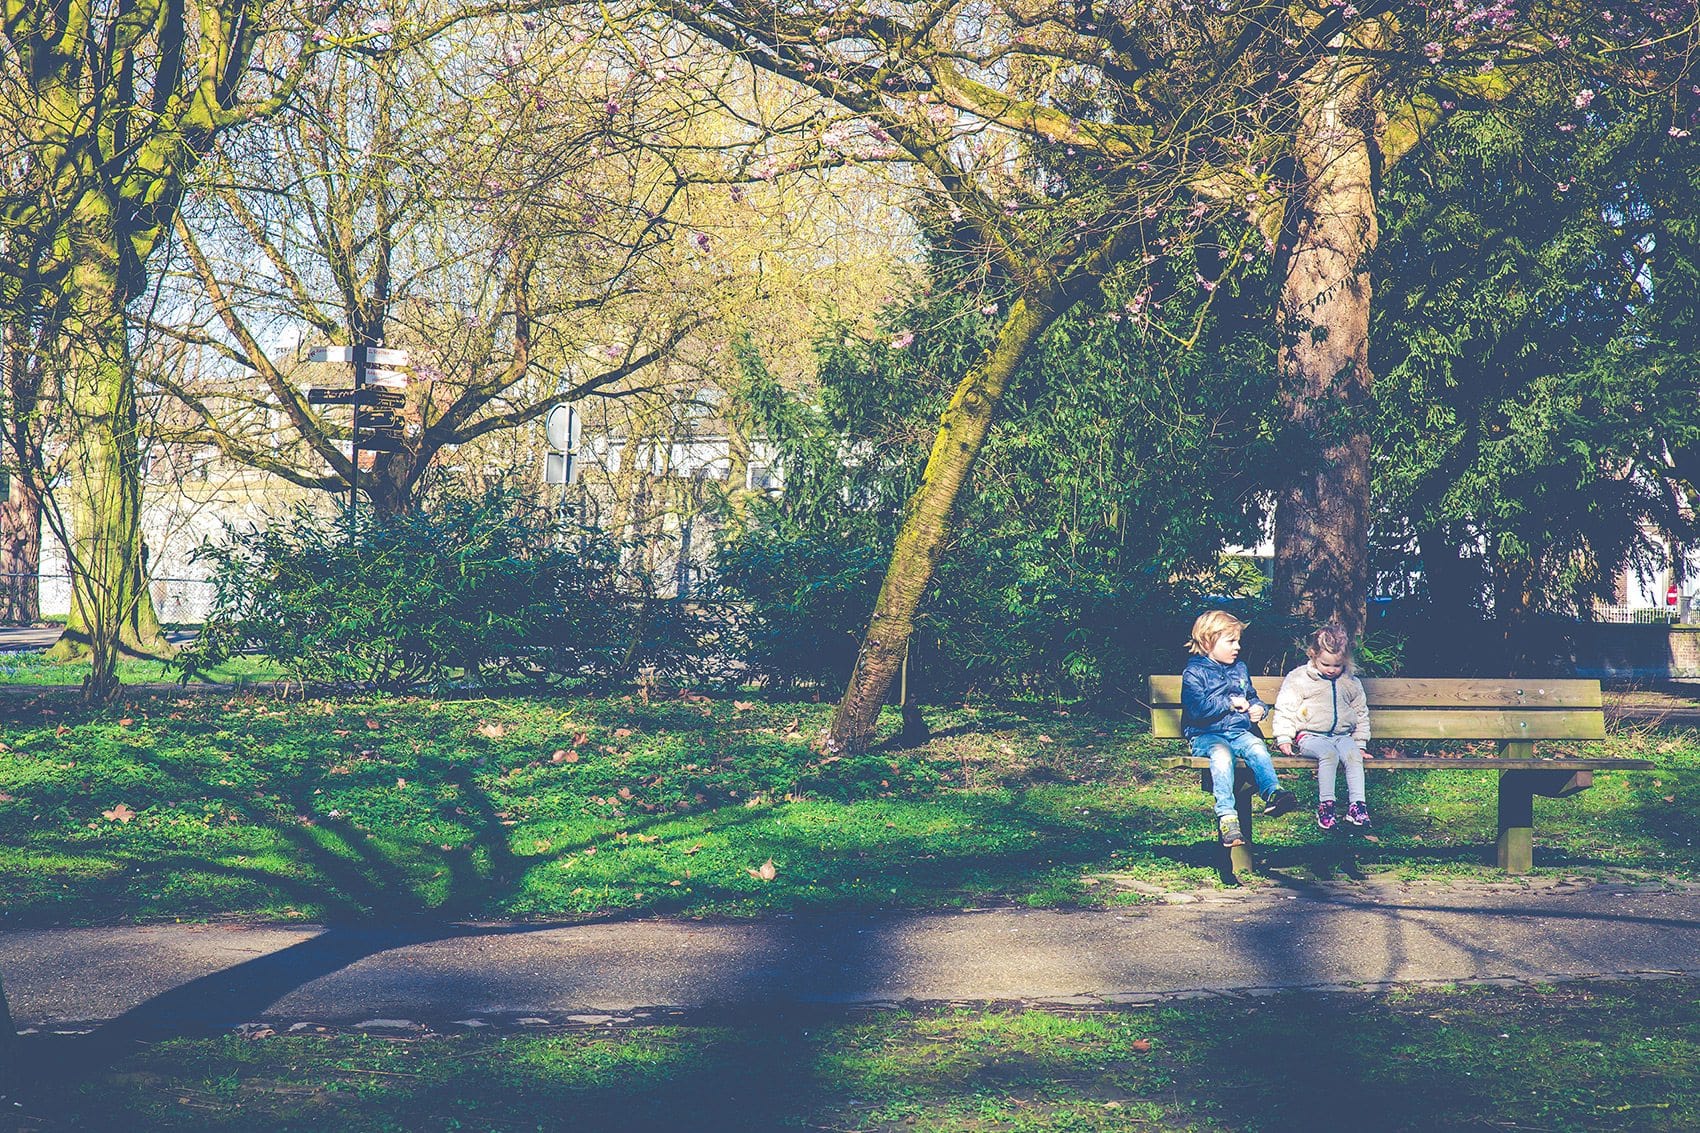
481,590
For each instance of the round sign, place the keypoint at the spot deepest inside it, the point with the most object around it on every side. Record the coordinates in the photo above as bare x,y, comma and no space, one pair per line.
1670,596
561,426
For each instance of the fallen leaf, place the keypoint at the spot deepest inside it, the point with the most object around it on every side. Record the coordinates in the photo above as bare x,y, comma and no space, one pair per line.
693,849
119,813
625,792
5,798
622,733
743,705
1670,798
491,731
1141,1045
767,871
1371,838
401,784
791,728
1044,739
125,722
564,757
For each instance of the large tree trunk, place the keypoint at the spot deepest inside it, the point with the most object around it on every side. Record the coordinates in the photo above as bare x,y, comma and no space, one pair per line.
926,524
111,610
1322,512
20,555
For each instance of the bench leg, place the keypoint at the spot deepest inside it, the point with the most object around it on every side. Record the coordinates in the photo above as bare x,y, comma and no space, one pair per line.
1516,821
1517,791
1239,857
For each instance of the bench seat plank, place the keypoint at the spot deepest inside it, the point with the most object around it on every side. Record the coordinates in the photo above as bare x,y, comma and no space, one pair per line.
1442,763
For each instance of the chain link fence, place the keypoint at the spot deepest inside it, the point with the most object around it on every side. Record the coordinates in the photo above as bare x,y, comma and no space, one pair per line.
176,601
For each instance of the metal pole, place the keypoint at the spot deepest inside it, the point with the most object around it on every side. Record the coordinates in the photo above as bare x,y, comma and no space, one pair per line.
361,354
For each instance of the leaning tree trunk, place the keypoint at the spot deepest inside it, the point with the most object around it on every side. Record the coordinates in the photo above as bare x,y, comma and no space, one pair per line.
1322,511
111,610
926,524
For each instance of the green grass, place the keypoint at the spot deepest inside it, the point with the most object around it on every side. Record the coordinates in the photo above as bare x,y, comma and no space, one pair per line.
180,806
1571,1057
34,669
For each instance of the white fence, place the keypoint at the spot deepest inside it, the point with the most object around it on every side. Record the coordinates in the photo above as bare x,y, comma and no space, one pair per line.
1637,615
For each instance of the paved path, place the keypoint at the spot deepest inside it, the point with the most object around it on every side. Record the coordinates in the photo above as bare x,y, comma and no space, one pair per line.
180,979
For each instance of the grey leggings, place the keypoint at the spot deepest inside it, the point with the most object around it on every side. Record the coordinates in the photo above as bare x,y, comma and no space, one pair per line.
1329,752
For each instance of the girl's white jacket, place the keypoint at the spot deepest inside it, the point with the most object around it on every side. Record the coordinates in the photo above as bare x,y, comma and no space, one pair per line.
1310,702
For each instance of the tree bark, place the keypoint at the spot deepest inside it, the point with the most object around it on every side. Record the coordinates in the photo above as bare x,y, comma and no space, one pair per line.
111,610
1322,511
926,523
20,555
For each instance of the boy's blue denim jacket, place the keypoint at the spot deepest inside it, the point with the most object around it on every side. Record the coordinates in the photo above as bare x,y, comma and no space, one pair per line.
1206,687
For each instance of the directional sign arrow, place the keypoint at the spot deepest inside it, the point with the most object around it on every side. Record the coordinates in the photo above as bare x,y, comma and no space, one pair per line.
331,354
318,396
380,356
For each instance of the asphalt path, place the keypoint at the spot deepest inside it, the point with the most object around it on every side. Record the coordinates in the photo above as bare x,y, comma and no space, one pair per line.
1361,935
25,639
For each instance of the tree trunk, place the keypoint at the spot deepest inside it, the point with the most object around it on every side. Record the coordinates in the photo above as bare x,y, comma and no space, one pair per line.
926,524
20,555
1322,512
111,610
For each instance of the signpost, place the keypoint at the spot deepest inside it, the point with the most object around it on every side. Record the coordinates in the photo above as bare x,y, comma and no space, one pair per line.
561,426
380,388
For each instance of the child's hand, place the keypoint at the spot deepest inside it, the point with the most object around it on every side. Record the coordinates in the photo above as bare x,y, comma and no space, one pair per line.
1238,703
1258,712
1287,749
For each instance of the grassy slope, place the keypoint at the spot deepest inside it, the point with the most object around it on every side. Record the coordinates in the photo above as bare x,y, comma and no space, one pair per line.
178,806
1574,1057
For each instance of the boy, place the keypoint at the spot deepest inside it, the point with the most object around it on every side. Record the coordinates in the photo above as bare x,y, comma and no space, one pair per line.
1219,714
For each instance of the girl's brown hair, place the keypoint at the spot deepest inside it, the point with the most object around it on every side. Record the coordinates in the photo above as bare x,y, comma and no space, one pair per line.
1331,639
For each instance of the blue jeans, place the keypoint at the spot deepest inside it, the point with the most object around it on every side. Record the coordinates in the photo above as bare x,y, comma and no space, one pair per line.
1221,749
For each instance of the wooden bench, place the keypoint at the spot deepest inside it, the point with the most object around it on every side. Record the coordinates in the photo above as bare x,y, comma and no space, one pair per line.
1516,713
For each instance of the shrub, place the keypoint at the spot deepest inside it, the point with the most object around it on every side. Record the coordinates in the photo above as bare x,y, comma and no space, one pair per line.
482,590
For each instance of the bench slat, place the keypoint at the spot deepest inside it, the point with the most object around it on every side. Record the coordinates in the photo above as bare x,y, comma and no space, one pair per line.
1443,724
1411,692
1440,763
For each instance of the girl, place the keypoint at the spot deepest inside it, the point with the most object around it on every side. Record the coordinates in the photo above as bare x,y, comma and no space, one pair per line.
1321,708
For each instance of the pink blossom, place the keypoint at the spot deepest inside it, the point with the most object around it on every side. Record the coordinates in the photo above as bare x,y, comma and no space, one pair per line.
320,35
612,106
1434,51
1583,98
700,239
989,309
901,341
1677,132
379,25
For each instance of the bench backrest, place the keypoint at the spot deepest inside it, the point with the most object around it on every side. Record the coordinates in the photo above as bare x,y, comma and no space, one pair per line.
1422,709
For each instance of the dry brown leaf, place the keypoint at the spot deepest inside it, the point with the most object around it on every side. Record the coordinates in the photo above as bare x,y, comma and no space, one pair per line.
125,722
622,733
1141,1045
492,731
767,871
119,813
743,705
1044,739
693,849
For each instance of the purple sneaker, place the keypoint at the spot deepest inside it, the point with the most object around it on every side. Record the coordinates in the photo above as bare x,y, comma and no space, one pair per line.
1357,814
1325,814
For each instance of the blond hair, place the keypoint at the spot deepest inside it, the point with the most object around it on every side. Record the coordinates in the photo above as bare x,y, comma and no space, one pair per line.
1210,626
